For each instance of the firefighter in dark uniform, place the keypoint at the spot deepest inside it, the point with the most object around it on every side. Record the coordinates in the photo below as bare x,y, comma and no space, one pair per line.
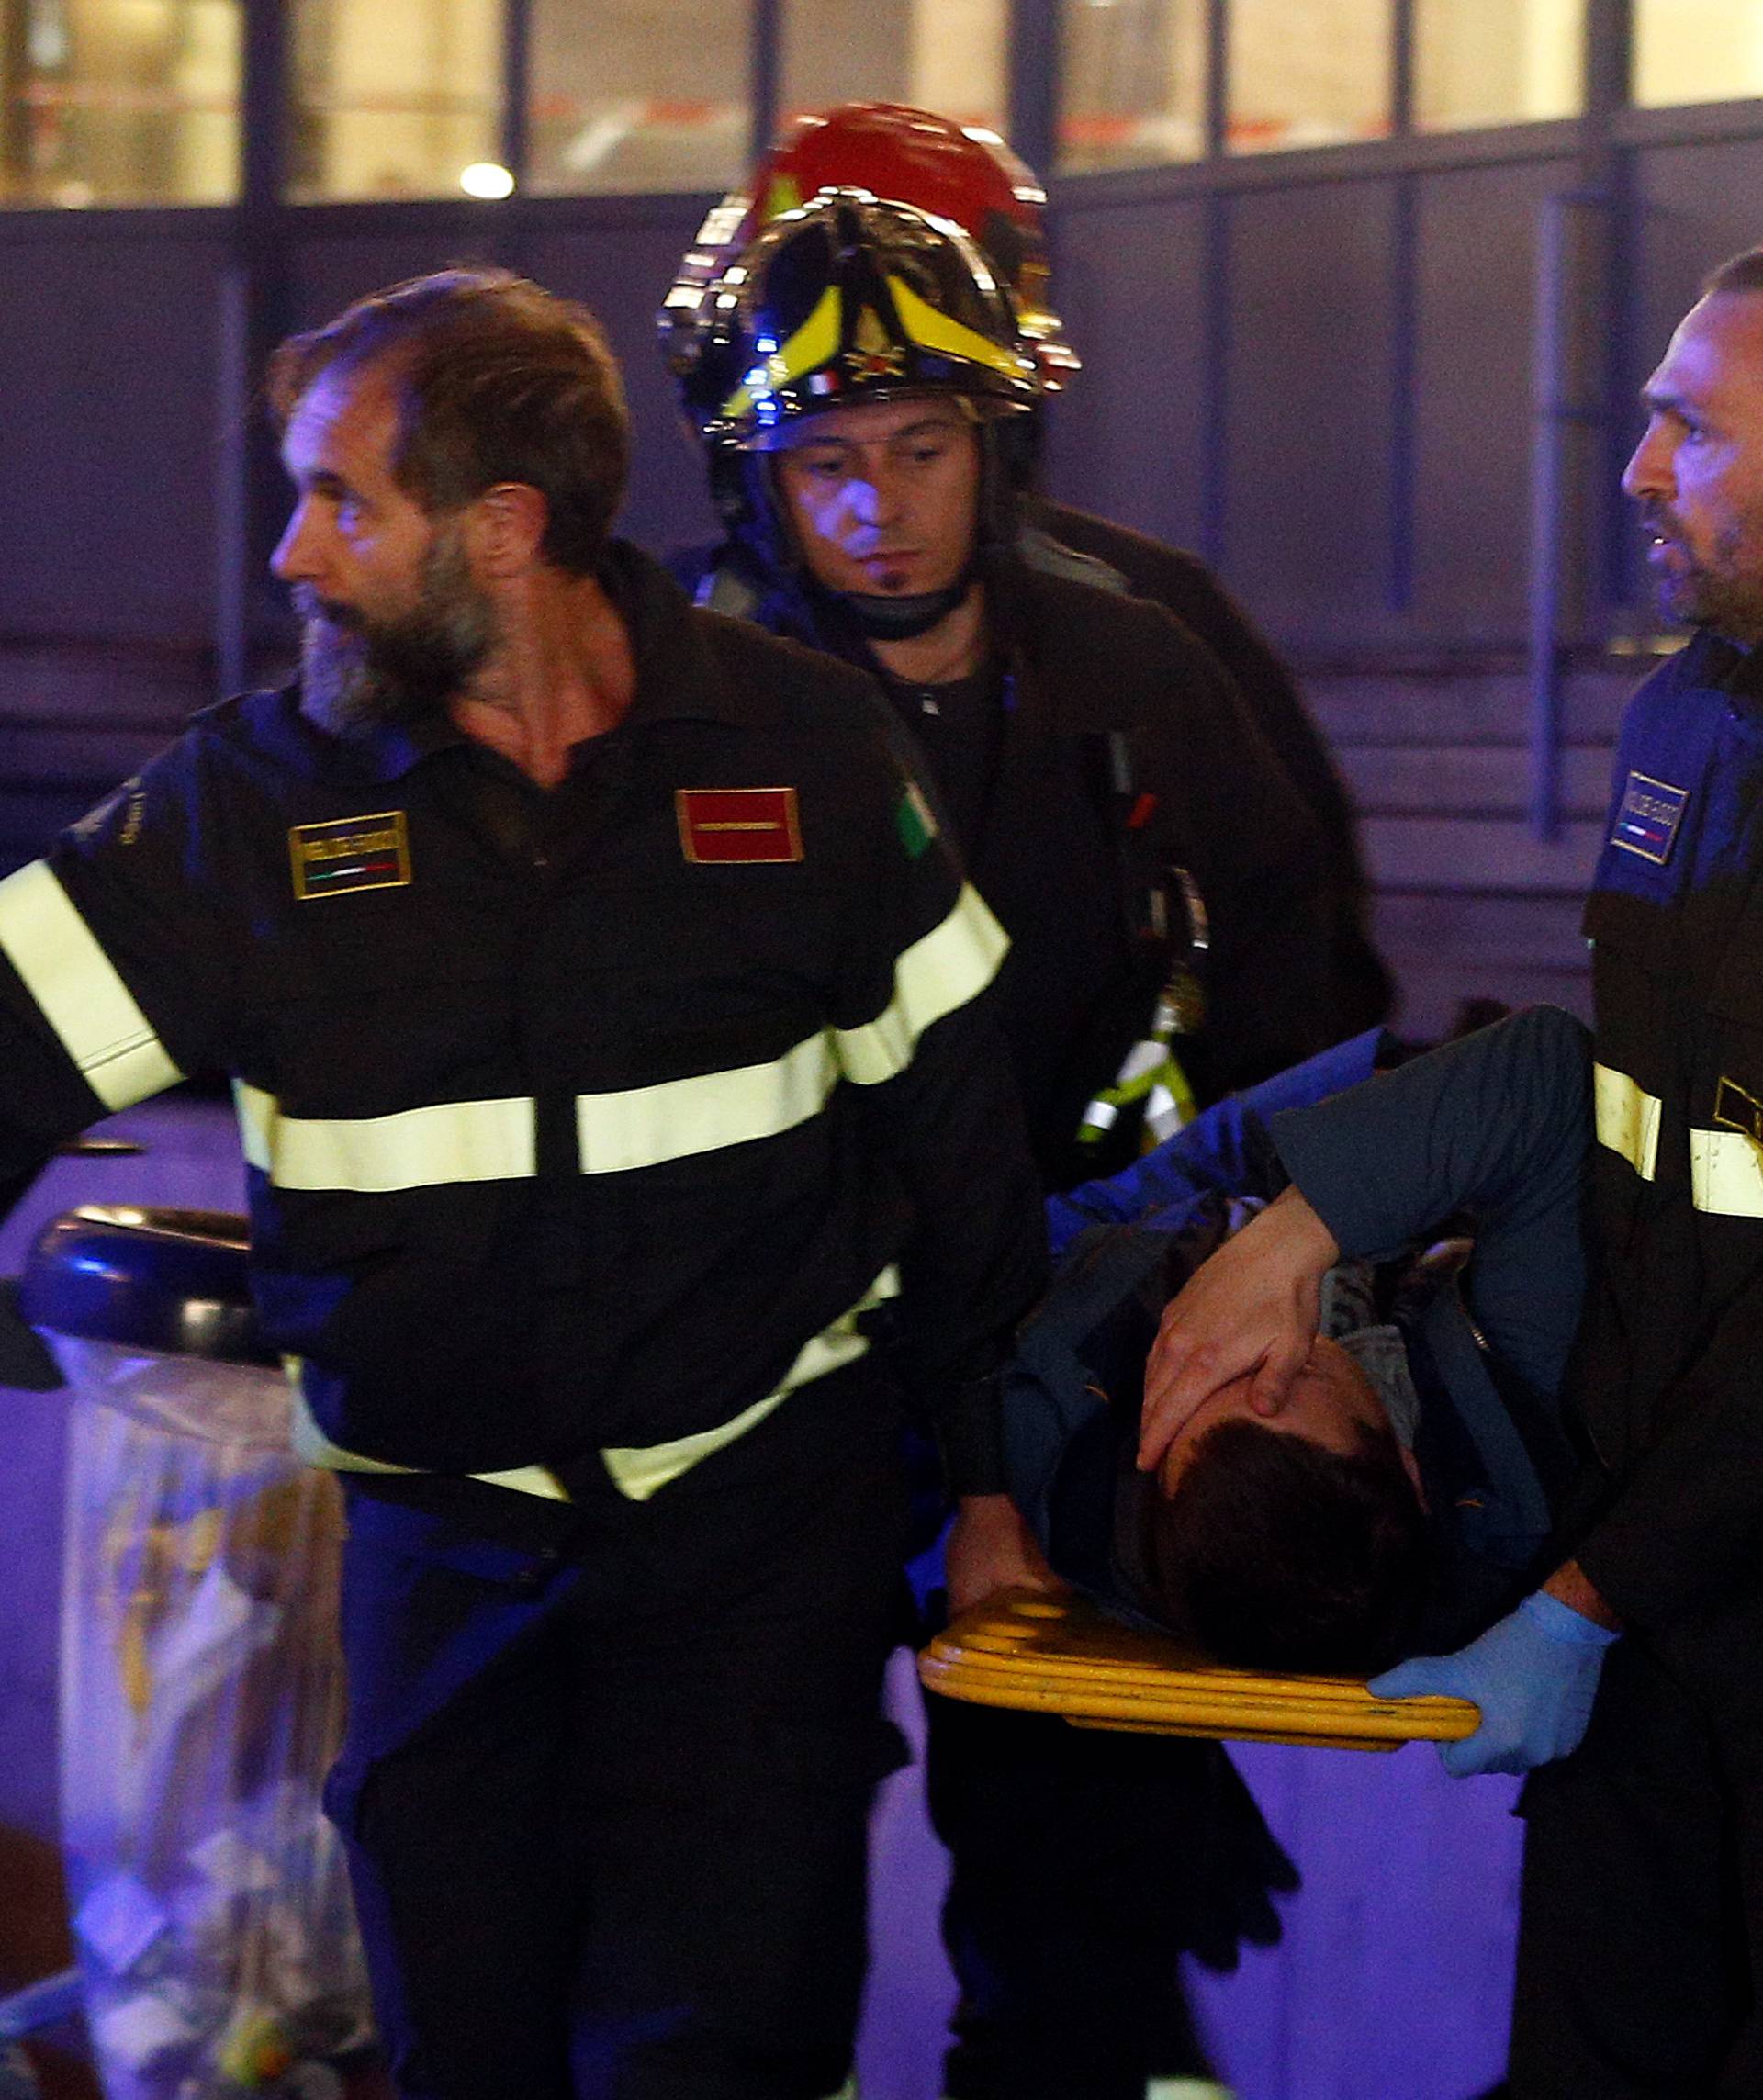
608,1024
856,374
1642,1938
1641,1931
969,175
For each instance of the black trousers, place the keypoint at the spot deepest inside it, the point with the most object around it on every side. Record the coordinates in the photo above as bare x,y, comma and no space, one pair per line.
1641,1932
1084,1863
606,1797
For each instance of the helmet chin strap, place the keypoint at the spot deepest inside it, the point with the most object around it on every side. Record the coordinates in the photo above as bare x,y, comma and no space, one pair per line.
904,617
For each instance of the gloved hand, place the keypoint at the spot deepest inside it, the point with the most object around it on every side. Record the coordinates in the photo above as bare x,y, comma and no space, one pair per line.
1232,1865
1533,1675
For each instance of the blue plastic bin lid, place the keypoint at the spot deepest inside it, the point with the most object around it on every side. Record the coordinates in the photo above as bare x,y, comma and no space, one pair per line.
176,1281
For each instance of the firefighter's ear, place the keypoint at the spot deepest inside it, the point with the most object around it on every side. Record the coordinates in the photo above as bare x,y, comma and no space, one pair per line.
505,529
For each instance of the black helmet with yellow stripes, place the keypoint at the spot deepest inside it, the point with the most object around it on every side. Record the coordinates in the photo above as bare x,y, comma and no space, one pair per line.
850,300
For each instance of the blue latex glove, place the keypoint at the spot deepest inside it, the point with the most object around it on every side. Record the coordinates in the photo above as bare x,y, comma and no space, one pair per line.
1533,1675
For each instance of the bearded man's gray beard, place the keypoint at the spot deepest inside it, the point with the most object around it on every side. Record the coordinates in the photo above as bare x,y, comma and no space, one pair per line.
362,672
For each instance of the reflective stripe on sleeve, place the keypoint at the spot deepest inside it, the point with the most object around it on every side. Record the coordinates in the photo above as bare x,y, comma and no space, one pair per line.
1627,1119
494,1141
952,964
417,1148
620,1131
1726,1174
78,991
1726,1166
638,1471
677,1118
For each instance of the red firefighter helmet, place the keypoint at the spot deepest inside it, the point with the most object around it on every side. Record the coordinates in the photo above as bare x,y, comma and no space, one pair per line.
845,300
959,173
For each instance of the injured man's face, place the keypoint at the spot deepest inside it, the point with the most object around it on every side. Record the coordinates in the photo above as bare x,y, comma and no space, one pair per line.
1294,1538
1331,1403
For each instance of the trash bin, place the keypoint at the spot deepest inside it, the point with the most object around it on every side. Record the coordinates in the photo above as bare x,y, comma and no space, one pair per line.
201,1685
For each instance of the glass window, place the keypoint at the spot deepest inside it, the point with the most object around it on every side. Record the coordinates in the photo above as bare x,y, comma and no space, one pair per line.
1697,50
1309,73
946,55
119,102
1496,62
1134,82
394,98
639,95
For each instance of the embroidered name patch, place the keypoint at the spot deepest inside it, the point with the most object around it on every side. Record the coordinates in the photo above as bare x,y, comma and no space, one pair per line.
350,853
1646,822
738,823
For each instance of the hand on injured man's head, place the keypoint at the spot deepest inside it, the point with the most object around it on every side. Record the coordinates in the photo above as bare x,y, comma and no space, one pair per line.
1250,1312
1286,1531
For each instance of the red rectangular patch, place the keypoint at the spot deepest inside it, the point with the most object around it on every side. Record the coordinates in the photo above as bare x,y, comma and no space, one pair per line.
738,823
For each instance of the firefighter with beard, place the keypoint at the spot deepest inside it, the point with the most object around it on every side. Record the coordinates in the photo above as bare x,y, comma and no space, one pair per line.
970,176
859,378
610,1030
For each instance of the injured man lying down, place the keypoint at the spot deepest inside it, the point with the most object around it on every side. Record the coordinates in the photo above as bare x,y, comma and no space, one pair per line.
1397,1499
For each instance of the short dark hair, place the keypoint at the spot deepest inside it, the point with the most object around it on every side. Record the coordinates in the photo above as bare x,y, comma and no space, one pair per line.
1276,1553
497,380
1742,273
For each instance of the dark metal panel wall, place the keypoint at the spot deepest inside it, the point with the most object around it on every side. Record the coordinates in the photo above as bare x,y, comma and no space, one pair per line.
1243,348
108,353
325,270
1475,312
329,255
1127,439
1305,522
1697,205
623,274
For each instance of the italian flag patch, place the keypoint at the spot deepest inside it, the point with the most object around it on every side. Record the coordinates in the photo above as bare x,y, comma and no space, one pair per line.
914,821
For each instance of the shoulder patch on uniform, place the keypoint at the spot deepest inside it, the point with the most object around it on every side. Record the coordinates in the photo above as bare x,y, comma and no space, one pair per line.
913,820
751,824
1648,817
350,853
122,814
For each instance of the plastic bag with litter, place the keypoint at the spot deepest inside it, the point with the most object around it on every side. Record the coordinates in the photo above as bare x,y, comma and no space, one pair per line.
201,1706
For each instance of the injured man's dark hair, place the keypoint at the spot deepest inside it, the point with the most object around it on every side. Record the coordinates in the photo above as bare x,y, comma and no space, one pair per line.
1299,1539
1276,1553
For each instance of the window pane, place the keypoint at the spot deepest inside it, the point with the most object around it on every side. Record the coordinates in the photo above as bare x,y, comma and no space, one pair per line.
639,95
394,97
1309,73
1697,50
1496,62
1135,82
946,55
119,102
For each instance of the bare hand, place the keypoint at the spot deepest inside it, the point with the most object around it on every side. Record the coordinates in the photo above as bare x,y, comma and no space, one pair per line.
1252,1308
991,1548
1571,1586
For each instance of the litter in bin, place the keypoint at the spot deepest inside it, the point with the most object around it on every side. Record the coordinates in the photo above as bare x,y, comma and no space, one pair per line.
121,1924
202,1703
